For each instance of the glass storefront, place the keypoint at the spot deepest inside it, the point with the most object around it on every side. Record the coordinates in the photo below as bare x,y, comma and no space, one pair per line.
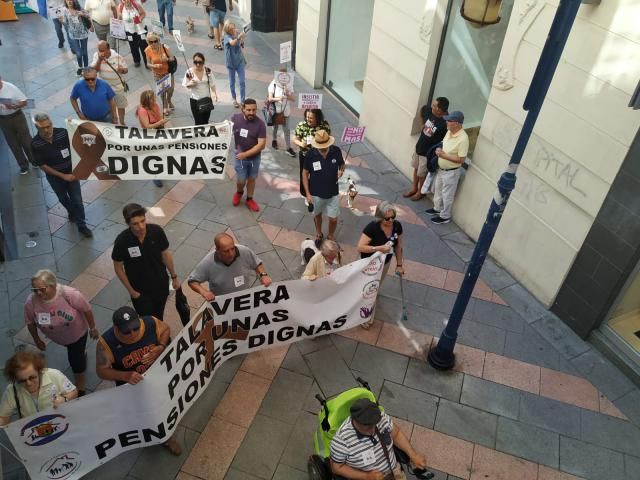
623,325
348,49
468,63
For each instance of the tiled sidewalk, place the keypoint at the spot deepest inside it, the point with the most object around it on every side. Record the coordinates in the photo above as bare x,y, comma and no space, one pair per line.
526,400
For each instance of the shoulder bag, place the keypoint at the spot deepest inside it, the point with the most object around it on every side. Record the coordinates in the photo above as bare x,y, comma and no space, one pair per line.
205,104
172,62
125,85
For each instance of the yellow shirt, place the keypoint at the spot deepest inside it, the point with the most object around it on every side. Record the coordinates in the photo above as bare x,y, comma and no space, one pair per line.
53,382
454,144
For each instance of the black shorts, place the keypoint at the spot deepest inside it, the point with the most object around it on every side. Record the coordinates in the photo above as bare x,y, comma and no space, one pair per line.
77,355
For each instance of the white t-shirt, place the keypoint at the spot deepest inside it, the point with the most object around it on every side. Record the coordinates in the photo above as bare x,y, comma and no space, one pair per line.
201,88
282,105
10,91
107,74
101,10
128,15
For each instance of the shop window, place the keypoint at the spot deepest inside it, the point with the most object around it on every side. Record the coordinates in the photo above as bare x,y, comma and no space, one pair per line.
349,33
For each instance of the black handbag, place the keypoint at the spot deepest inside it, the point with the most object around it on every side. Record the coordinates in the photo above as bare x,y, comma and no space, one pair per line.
171,63
205,104
86,22
182,306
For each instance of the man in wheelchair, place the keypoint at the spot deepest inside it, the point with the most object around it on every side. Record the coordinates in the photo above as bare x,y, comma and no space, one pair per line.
363,446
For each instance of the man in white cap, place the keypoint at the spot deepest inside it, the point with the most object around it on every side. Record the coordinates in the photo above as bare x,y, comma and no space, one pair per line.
455,147
323,167
362,448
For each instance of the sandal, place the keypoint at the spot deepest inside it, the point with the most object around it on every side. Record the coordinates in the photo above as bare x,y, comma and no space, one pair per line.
218,47
210,36
236,104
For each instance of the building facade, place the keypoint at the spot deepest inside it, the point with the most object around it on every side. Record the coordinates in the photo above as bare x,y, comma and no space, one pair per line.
571,232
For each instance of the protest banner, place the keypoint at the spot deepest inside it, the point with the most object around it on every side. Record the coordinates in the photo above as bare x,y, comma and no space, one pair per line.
309,100
285,52
352,135
116,29
284,79
105,151
72,440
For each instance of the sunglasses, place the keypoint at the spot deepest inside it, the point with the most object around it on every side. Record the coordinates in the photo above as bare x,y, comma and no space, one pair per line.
129,330
90,79
36,290
388,219
152,41
31,378
197,62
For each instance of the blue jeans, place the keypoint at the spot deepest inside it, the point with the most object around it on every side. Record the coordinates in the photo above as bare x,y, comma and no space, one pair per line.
247,168
216,17
70,196
80,47
166,6
58,26
232,81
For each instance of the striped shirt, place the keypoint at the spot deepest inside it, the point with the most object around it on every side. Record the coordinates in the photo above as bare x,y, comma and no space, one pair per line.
361,451
56,154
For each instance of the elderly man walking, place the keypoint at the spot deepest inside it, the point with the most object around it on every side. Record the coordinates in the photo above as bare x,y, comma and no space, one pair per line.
102,11
14,124
111,68
323,167
96,98
455,147
227,269
52,153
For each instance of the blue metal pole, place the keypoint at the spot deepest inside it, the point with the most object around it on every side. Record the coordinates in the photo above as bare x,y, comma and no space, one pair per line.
442,356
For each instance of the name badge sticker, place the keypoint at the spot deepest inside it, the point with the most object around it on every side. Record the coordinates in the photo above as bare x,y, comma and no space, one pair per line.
316,166
238,281
368,457
134,252
244,132
64,152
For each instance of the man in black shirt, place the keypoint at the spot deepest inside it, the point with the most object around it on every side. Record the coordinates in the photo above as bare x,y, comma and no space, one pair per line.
52,153
323,167
433,131
141,258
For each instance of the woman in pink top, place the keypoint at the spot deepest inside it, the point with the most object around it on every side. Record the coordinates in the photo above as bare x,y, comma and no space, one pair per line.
64,316
149,116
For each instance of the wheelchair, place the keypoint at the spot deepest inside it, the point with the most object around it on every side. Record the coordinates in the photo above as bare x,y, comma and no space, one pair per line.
332,414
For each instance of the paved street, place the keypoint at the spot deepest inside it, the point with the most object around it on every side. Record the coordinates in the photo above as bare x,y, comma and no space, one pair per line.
527,399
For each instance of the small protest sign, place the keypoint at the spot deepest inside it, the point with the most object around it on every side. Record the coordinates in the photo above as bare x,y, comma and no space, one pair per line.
163,84
156,27
352,135
55,11
309,100
285,52
116,29
284,79
178,38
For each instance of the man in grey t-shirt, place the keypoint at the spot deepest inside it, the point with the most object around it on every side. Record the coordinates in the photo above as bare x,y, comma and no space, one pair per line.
228,268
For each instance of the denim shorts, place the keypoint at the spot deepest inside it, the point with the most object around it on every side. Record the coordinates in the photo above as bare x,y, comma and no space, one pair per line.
247,168
330,206
216,17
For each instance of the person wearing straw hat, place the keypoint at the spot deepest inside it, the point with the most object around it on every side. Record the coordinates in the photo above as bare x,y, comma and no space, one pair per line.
323,167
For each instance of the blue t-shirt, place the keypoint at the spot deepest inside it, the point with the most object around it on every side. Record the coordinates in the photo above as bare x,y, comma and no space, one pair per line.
232,54
94,104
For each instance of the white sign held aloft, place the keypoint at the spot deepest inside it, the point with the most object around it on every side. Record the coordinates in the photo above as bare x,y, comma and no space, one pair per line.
71,441
284,79
178,38
309,100
55,11
116,29
157,28
285,52
352,135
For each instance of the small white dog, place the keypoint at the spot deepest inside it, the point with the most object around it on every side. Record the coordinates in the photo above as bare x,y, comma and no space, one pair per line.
352,192
191,25
307,250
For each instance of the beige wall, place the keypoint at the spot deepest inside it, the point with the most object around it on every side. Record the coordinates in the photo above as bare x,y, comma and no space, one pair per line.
581,137
311,40
402,52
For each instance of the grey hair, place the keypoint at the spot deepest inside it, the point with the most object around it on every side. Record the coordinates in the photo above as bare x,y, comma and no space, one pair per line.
383,208
45,276
89,70
41,117
329,247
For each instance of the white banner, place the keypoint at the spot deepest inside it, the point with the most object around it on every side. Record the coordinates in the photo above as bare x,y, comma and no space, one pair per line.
68,442
105,151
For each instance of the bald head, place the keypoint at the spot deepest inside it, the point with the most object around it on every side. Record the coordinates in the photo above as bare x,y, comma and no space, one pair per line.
225,247
104,50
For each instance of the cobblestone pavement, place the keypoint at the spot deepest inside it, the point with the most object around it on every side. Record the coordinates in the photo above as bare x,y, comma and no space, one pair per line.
527,399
